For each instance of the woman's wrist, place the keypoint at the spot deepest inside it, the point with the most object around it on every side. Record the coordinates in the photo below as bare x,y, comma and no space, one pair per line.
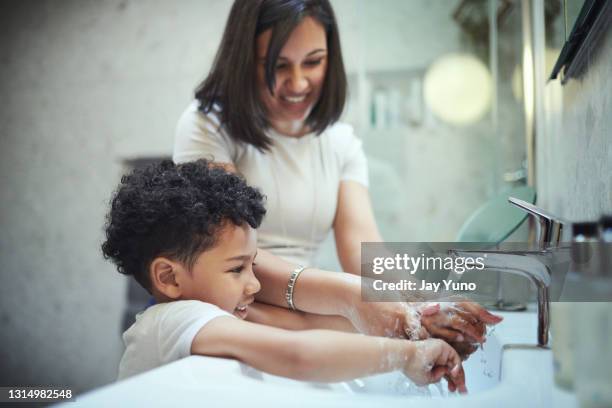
347,289
291,285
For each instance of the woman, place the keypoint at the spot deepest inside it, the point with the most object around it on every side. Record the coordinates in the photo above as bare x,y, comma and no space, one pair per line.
269,110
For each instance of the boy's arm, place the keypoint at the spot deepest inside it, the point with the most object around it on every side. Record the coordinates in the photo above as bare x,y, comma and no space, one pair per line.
282,318
316,355
323,355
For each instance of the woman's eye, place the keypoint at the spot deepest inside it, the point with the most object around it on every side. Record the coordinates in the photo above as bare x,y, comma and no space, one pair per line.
281,66
313,63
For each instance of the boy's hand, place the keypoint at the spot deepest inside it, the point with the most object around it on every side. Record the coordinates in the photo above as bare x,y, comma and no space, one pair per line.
433,359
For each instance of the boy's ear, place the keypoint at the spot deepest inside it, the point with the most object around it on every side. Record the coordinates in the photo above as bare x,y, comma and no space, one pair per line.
164,277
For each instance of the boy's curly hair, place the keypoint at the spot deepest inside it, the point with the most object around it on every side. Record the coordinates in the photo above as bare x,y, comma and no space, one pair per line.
174,211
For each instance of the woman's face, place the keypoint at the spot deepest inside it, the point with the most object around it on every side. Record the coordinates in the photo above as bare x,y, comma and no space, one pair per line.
300,74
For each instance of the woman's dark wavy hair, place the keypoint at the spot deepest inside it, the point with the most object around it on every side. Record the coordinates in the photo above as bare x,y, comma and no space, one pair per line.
174,211
231,83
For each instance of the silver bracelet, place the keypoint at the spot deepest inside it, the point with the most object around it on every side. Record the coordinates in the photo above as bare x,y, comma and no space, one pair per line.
289,294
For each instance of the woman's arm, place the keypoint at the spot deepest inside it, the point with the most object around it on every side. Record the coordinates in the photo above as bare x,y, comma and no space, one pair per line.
332,293
354,223
282,318
323,355
316,291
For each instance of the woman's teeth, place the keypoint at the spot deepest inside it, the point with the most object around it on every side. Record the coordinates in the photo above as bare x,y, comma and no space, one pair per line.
241,308
294,99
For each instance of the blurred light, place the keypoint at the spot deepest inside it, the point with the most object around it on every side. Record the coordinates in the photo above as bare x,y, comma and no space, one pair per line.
550,59
458,89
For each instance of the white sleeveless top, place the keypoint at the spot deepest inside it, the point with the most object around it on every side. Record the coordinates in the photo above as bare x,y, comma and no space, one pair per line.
300,177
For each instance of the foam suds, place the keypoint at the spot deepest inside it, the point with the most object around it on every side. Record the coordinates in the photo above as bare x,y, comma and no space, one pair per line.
413,322
359,383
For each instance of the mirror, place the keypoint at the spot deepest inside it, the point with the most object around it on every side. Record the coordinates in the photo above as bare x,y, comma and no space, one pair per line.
590,21
571,10
496,219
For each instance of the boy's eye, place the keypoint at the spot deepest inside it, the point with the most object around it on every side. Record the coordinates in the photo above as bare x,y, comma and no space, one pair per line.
240,268
237,269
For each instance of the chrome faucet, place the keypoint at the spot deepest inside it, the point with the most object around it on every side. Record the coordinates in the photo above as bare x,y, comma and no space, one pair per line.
536,264
549,228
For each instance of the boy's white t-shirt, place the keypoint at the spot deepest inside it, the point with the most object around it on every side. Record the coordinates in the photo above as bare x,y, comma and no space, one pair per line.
163,333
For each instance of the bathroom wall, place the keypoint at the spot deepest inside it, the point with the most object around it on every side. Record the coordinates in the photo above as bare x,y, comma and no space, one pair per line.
87,84
428,176
574,155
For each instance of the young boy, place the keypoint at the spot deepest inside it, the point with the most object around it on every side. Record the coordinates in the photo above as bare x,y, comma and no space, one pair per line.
187,234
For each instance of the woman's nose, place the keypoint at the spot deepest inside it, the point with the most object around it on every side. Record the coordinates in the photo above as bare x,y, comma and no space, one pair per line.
297,81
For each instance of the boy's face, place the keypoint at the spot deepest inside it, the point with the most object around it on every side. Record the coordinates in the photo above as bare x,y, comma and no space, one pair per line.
223,275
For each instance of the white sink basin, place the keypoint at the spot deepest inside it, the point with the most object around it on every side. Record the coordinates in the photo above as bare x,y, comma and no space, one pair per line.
509,372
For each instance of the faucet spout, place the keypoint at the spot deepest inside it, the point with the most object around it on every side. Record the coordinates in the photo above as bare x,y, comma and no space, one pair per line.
535,265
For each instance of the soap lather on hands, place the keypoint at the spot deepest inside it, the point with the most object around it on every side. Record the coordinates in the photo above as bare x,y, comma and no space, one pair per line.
434,359
462,324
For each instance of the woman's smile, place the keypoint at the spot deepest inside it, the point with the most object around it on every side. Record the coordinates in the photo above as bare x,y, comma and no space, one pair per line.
294,99
296,107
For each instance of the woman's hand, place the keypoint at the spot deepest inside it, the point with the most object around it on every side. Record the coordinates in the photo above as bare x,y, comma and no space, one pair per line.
433,359
392,319
461,324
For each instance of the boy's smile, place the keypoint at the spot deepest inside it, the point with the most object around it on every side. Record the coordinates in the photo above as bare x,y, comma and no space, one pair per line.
242,310
223,275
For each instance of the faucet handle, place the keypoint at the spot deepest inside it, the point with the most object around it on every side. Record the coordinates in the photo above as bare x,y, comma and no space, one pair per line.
550,227
532,209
